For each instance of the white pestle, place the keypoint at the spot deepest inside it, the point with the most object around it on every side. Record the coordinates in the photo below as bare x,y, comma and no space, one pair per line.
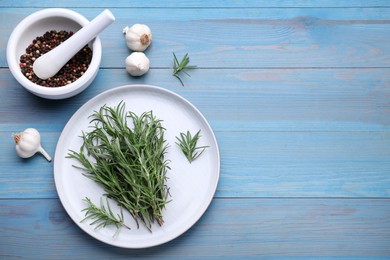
51,62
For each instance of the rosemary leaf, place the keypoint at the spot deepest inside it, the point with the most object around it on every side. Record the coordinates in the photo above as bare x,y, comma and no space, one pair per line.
187,144
181,66
103,216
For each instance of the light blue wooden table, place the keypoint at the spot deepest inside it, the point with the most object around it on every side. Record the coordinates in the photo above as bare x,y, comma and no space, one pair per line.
298,94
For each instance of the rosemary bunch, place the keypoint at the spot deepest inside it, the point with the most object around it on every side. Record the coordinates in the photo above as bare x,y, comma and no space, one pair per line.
187,144
127,162
103,216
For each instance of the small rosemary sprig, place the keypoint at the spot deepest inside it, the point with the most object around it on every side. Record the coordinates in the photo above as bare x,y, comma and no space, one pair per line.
187,144
103,216
181,66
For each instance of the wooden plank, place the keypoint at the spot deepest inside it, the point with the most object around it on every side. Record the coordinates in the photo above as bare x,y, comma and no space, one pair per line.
244,38
244,107
282,227
196,3
233,99
253,164
305,164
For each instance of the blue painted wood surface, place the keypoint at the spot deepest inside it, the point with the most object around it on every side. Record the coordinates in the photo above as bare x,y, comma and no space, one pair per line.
232,228
298,94
244,38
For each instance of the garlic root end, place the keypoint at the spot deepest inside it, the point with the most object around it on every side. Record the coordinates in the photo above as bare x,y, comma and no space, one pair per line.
144,39
17,137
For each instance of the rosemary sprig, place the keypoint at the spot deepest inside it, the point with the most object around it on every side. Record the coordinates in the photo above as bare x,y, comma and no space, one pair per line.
127,162
181,66
187,144
103,216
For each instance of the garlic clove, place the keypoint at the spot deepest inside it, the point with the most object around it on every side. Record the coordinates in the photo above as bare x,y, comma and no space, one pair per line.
137,64
24,153
138,37
28,143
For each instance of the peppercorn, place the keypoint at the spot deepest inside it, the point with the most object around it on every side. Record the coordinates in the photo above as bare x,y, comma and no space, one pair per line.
69,73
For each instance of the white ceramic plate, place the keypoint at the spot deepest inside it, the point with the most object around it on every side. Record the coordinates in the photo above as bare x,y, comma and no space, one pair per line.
192,186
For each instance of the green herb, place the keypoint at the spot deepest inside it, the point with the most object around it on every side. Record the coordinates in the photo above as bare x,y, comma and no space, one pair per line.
103,217
127,162
187,144
182,66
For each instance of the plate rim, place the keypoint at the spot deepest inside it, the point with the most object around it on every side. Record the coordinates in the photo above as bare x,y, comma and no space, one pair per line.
107,93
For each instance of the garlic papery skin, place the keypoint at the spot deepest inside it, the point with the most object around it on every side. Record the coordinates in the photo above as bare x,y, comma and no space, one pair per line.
137,64
28,143
138,37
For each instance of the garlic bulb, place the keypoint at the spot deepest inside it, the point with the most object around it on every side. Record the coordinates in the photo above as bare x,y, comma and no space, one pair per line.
138,37
137,64
28,143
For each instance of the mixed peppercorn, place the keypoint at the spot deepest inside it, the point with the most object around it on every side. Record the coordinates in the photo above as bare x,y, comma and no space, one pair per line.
72,70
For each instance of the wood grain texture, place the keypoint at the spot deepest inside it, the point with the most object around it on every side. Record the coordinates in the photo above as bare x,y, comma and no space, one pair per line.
298,94
253,164
299,133
233,99
279,227
244,38
196,3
